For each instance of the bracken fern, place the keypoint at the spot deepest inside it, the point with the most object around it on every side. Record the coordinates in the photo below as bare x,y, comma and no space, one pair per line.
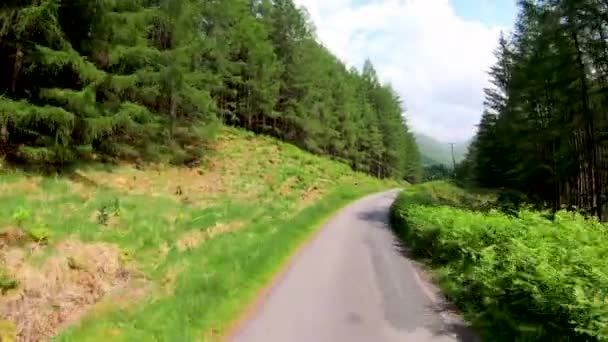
522,277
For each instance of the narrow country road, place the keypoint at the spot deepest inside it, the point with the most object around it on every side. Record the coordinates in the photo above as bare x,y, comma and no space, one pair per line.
352,283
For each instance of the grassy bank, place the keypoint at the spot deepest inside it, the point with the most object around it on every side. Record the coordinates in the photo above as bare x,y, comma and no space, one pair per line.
160,253
525,277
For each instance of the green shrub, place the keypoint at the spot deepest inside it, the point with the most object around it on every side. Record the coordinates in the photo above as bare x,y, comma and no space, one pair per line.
107,210
7,282
20,215
39,234
521,277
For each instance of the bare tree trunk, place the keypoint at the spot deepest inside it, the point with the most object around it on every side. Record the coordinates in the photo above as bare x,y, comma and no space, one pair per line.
17,68
3,133
590,129
173,113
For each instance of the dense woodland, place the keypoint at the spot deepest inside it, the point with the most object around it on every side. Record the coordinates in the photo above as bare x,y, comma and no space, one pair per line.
145,79
543,132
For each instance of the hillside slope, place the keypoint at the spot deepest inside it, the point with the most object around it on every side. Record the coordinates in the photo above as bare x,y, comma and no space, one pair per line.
160,252
433,151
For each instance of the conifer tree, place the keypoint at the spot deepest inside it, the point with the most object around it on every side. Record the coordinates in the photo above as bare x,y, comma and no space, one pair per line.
542,133
151,79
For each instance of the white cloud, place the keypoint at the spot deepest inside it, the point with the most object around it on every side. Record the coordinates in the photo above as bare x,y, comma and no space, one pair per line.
435,60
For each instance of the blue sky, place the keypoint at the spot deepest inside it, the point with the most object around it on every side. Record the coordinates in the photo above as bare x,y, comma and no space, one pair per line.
435,53
489,12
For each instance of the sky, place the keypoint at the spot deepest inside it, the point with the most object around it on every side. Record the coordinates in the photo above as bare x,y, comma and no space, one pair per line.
435,53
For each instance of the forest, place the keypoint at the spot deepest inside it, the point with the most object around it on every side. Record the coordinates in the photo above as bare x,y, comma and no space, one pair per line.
543,132
149,80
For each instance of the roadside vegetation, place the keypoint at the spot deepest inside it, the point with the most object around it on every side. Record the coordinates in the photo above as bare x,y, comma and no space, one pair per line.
518,275
537,272
126,253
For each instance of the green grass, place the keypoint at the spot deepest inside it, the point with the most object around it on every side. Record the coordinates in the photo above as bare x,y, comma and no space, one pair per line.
218,281
270,195
445,193
524,277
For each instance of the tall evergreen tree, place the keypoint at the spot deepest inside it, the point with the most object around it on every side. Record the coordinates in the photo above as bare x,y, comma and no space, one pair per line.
543,128
146,79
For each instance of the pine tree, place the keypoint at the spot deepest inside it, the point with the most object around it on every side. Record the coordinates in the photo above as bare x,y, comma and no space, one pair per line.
151,79
545,113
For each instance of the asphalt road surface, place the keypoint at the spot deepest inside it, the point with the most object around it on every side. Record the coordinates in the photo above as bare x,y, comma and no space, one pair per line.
353,283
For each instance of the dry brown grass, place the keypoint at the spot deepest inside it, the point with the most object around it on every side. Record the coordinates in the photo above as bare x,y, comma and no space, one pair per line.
12,236
311,194
238,162
122,296
63,289
220,176
164,250
190,240
167,283
184,184
25,186
286,187
193,239
85,191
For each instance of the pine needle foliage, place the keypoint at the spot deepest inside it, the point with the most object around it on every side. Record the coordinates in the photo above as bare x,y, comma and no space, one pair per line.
142,79
543,129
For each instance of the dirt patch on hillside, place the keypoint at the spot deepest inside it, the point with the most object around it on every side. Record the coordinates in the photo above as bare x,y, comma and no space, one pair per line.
62,289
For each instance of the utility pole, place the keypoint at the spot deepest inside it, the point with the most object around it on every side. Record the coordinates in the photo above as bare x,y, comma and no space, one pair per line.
453,158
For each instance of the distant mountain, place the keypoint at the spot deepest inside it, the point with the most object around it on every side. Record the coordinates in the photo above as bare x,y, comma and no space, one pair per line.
433,151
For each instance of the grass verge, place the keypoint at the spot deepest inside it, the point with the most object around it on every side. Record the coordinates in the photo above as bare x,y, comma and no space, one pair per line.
524,277
226,275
